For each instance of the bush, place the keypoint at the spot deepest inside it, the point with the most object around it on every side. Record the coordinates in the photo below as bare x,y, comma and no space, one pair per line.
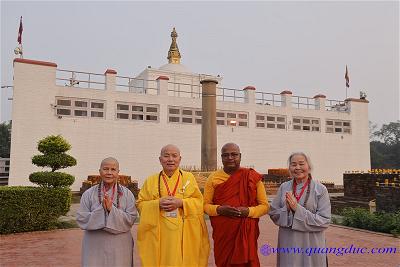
53,144
378,222
54,156
26,208
55,161
52,179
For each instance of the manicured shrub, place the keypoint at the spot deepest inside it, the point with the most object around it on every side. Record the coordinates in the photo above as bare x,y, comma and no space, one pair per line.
378,221
53,148
53,145
52,179
55,161
25,208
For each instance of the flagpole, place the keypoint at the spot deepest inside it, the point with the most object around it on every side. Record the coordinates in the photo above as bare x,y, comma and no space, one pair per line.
347,79
20,36
19,49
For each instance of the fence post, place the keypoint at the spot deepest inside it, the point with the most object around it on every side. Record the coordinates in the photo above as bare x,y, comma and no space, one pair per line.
286,98
162,85
110,79
250,94
320,102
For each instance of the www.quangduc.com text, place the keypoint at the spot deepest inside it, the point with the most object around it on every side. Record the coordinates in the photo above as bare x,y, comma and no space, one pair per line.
267,250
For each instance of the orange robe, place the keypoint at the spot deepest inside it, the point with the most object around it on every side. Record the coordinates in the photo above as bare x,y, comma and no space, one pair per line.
235,239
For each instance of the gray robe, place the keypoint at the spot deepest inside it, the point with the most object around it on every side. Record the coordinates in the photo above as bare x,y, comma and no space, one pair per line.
107,240
303,230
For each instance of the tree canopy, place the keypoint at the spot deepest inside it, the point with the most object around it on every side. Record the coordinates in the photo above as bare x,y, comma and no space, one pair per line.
5,139
385,149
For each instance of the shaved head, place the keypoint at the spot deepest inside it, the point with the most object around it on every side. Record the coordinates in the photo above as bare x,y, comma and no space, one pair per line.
170,147
109,160
170,158
230,145
231,157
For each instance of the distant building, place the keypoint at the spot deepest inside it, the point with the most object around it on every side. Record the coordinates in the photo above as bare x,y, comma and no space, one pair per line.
128,118
4,170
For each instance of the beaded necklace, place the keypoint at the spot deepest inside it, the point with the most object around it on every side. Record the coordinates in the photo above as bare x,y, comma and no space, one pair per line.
119,192
308,190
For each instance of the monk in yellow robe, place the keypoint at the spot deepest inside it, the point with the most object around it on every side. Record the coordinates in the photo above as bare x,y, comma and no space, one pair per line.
172,230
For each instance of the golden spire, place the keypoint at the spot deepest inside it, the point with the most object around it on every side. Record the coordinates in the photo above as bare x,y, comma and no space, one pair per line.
174,56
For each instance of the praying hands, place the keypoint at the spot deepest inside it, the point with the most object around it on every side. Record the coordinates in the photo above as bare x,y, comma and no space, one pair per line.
107,203
170,203
291,201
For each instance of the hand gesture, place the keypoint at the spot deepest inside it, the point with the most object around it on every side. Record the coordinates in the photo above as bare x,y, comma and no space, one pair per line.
244,211
228,211
291,201
170,203
107,203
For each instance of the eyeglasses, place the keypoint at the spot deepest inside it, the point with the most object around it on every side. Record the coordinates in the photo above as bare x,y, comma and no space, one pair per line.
233,155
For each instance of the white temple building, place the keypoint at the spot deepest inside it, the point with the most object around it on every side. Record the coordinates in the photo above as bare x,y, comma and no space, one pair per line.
131,118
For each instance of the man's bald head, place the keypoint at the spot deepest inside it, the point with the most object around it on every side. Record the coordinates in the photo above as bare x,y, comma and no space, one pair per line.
230,145
231,157
109,160
170,147
170,158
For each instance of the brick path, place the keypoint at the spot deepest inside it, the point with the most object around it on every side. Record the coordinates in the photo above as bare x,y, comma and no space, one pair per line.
62,247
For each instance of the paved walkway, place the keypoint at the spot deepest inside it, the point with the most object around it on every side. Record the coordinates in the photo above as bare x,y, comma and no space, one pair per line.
61,248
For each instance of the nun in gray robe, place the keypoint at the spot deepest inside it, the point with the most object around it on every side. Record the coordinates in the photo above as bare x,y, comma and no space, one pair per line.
107,240
301,237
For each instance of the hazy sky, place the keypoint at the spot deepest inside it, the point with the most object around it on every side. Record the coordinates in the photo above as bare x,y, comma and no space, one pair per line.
301,46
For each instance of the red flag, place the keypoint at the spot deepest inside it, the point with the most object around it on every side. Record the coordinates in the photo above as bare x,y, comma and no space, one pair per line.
346,76
20,32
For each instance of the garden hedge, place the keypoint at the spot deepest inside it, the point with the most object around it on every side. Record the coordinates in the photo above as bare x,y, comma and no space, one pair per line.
52,179
26,208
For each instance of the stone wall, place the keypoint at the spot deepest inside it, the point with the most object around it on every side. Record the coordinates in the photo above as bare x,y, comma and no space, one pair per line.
338,203
279,179
388,198
125,180
361,186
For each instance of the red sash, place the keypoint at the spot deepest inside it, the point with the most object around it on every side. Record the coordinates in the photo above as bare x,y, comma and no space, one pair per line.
235,239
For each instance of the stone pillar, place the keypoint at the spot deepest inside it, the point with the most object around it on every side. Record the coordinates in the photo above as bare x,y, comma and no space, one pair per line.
250,94
357,105
209,125
319,102
110,79
286,98
162,85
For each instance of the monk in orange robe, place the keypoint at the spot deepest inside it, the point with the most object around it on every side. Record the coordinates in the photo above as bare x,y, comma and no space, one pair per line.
235,198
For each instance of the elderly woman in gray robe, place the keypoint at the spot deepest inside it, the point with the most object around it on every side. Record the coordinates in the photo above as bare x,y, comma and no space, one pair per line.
107,212
302,211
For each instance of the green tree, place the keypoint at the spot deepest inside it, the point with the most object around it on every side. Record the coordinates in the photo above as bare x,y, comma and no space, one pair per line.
53,156
389,133
385,149
5,139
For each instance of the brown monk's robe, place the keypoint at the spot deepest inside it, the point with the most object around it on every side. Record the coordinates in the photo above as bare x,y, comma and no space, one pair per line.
235,239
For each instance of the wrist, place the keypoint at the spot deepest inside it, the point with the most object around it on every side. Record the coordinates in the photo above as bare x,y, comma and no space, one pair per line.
217,210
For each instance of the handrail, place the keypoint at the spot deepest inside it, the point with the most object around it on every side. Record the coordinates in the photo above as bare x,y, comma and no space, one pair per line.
303,101
230,95
269,99
143,86
73,81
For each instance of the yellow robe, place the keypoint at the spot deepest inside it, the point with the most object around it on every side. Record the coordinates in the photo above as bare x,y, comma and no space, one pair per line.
166,241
